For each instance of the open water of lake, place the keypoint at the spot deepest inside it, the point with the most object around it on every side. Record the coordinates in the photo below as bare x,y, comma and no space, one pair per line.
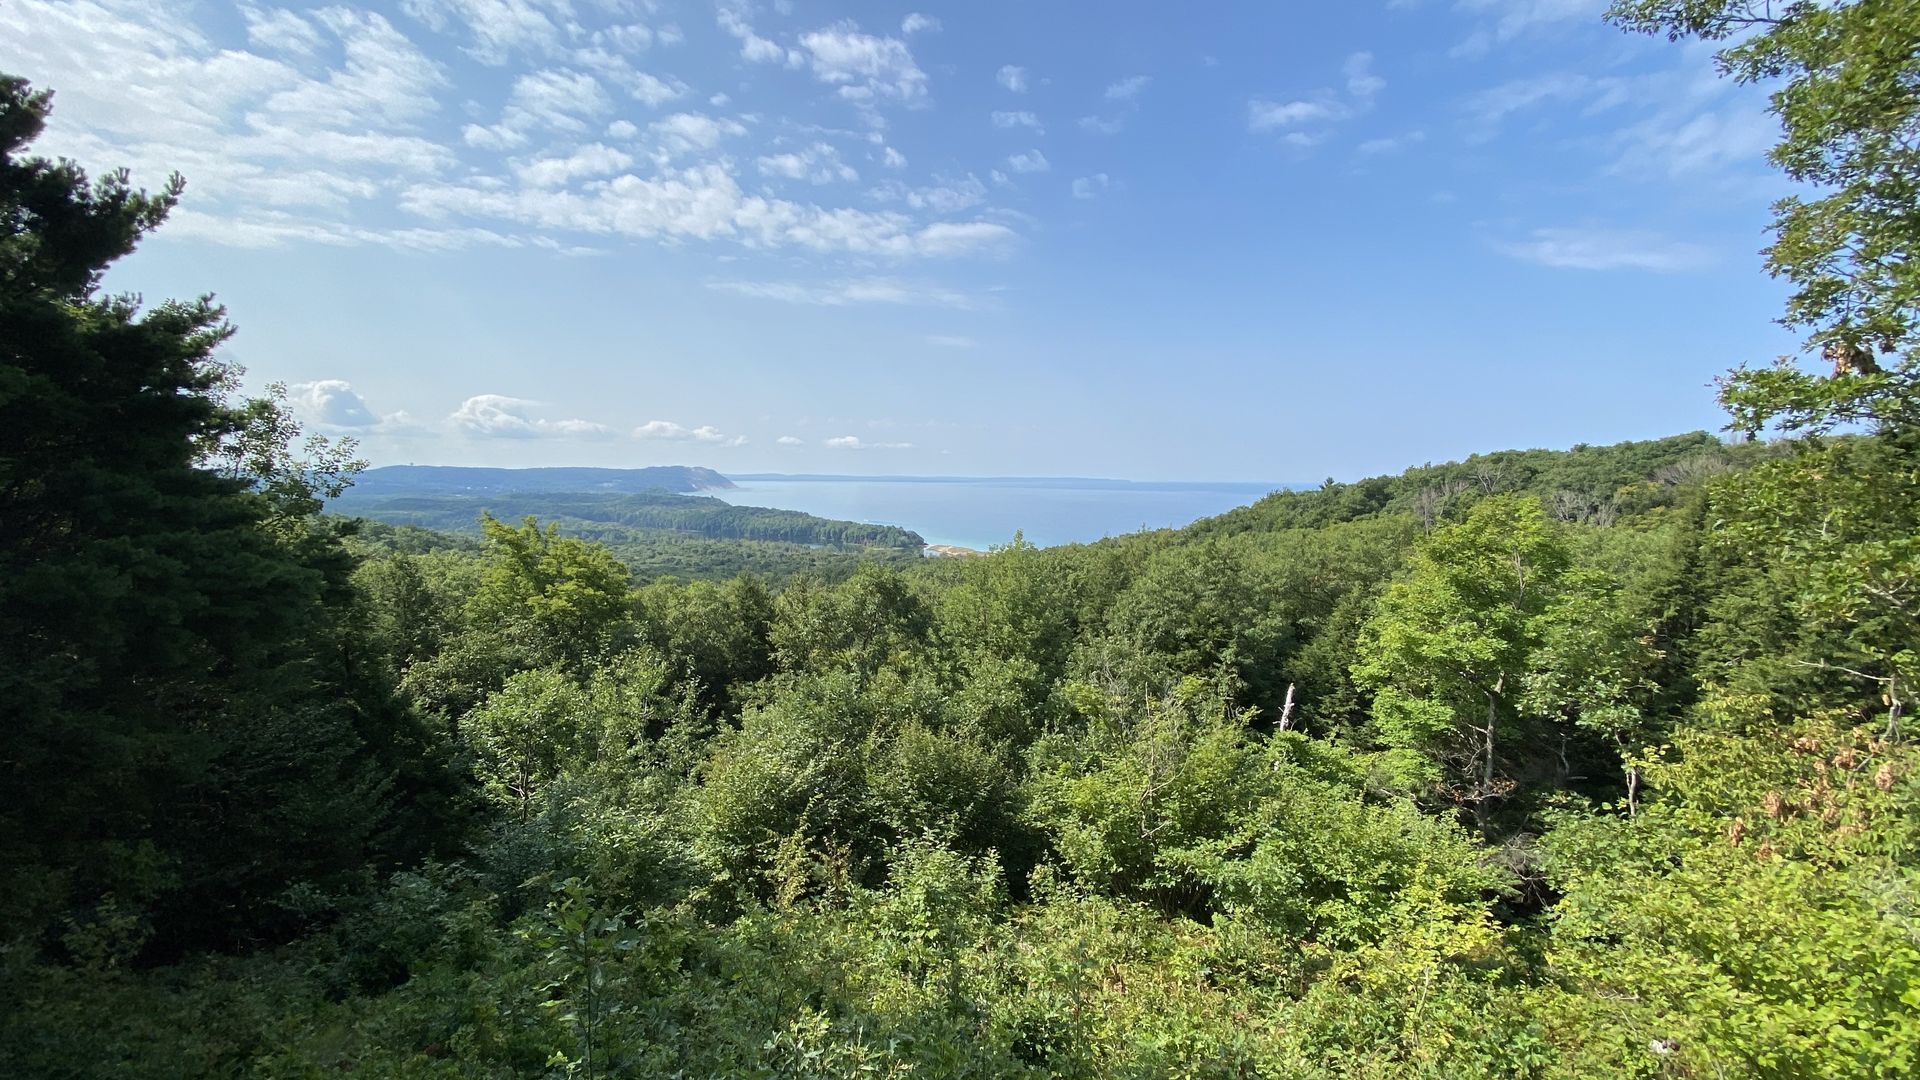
983,513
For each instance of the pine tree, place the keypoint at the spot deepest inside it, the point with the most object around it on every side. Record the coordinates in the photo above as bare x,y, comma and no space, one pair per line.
183,739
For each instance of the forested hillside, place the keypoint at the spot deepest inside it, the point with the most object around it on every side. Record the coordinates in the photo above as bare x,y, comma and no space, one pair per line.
1580,764
1587,485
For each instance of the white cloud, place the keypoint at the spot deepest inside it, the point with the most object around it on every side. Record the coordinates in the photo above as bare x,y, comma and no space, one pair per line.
496,29
865,68
1086,187
705,202
789,440
652,90
555,99
1012,78
817,164
855,442
755,49
1602,249
329,403
594,159
279,139
1103,125
281,31
340,145
670,431
1020,119
1033,161
607,56
498,416
1129,88
917,23
684,133
844,293
559,98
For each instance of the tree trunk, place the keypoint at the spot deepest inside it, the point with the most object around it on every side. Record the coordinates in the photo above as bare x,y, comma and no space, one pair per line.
1486,754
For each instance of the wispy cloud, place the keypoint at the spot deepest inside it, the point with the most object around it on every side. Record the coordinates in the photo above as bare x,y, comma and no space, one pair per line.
1012,78
1125,95
1669,124
1267,115
1390,144
817,164
946,195
845,293
1032,161
1086,187
1501,21
1607,249
1018,119
1322,108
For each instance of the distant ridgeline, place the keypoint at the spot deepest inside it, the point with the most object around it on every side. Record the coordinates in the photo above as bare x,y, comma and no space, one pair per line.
653,530
581,513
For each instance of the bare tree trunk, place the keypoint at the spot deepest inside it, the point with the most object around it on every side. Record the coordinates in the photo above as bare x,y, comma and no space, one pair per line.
1286,710
1486,754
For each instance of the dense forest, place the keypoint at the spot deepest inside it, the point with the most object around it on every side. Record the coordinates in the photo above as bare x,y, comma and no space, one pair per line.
1545,764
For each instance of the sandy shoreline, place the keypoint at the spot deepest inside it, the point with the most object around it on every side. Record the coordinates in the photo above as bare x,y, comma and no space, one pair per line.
950,551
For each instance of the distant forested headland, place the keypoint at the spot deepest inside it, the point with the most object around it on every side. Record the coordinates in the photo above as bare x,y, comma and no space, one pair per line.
654,533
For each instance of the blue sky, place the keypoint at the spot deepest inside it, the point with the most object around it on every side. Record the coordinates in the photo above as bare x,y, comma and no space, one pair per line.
1256,241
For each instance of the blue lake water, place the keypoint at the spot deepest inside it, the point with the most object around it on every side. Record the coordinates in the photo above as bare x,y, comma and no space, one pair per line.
982,513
